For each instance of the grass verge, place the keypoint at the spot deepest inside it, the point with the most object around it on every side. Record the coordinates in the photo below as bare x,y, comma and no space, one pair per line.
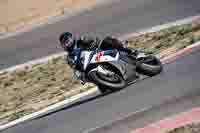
168,40
25,91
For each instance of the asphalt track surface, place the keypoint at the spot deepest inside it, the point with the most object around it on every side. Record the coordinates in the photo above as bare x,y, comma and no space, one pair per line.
162,111
142,119
178,80
118,18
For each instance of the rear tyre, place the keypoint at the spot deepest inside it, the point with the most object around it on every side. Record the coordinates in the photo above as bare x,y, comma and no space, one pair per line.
150,66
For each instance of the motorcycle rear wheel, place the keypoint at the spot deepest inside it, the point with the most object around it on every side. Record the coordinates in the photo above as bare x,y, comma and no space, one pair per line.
150,66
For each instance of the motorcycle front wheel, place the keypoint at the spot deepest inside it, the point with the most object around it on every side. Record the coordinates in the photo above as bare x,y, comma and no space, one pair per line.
149,65
109,82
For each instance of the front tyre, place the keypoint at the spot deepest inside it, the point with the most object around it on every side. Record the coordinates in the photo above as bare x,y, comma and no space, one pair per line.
150,66
114,82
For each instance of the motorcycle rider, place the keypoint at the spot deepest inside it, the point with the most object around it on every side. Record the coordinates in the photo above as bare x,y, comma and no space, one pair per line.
69,43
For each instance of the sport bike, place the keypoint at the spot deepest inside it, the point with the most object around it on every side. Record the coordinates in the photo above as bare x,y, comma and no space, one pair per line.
112,69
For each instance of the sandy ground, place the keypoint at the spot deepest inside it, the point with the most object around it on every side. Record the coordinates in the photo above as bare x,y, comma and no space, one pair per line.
26,91
18,14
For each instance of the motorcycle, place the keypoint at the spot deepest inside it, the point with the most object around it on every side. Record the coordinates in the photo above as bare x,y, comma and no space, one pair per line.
114,69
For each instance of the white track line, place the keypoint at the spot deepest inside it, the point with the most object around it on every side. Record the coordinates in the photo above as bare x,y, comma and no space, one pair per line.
80,97
33,62
160,27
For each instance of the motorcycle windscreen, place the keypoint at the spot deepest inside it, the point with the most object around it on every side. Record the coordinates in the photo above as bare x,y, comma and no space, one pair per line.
105,56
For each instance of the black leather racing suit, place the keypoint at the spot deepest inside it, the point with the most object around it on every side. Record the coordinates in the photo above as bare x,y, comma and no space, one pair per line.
108,42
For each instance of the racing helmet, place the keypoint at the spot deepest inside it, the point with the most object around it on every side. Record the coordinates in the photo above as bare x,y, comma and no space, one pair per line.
67,41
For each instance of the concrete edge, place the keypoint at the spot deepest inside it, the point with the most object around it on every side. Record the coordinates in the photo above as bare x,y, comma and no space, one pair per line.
160,27
80,97
173,122
85,95
33,62
180,53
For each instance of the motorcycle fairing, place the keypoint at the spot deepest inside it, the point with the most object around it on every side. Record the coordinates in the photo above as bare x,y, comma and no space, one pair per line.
105,56
113,58
91,57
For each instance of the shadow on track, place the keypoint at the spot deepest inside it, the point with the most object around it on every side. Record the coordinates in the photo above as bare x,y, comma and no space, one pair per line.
89,99
78,103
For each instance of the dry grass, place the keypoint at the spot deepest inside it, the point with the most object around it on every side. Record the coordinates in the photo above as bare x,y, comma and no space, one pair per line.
167,41
17,14
25,91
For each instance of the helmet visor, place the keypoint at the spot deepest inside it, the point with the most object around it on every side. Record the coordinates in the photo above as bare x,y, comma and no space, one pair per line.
68,44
